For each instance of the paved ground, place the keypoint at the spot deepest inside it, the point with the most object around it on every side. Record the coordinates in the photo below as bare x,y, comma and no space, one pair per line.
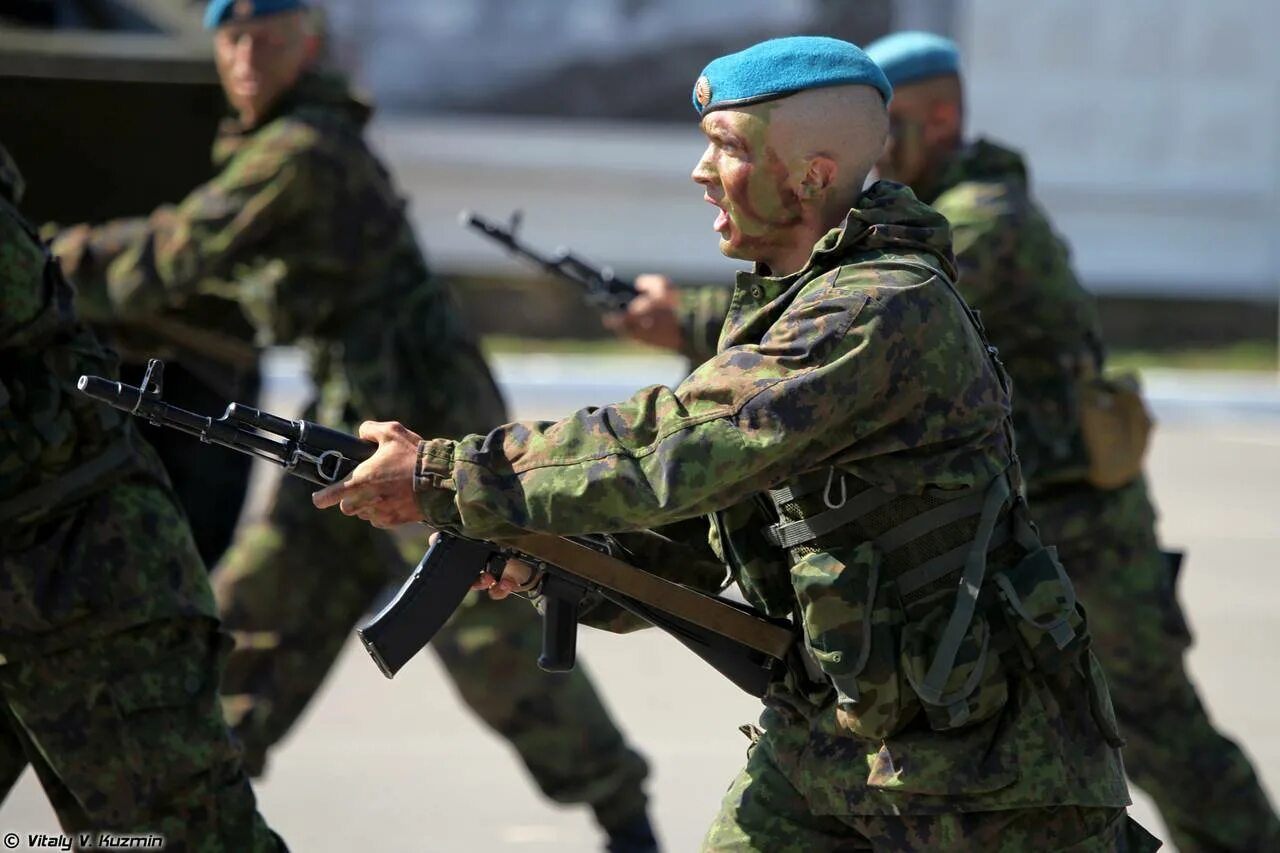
399,765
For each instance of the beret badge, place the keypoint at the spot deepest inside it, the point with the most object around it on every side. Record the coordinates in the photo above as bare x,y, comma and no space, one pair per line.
242,9
702,90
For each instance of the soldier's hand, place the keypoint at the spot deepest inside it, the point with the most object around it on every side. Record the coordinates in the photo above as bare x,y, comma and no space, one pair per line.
380,489
653,317
517,576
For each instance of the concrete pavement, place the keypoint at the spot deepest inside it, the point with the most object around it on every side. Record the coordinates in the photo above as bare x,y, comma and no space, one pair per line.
399,765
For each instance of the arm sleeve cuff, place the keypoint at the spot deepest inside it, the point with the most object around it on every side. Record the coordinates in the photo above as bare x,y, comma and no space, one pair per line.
433,482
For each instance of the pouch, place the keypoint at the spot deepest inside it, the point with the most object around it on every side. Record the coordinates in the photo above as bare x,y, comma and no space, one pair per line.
851,623
975,689
1041,603
1116,427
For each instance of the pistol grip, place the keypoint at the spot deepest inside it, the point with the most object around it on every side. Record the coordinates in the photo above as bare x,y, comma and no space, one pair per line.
561,599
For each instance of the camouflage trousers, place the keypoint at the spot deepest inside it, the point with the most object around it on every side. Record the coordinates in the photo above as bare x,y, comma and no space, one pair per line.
293,587
1201,781
128,737
763,811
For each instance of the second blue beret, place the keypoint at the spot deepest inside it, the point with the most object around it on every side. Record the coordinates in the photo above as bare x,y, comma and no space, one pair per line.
910,56
218,12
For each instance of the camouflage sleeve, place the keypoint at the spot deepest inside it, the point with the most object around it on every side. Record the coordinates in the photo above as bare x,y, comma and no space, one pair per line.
135,266
838,374
702,312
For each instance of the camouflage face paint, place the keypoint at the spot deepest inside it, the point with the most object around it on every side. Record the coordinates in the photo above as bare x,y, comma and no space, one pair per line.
747,178
905,158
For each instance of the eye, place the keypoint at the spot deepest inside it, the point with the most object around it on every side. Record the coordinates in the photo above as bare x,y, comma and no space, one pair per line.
730,145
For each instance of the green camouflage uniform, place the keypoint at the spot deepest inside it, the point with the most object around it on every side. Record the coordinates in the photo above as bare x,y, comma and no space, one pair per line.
944,697
109,647
1016,272
304,229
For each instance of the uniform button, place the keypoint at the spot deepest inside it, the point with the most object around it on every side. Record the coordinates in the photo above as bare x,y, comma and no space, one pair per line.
193,683
757,292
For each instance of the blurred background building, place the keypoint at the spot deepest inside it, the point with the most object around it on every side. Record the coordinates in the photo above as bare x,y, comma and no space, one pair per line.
1151,128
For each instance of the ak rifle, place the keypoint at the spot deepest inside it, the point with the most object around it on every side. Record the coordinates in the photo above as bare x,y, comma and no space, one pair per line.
598,285
739,642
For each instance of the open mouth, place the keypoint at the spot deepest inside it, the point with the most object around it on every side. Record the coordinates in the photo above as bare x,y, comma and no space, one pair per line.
722,219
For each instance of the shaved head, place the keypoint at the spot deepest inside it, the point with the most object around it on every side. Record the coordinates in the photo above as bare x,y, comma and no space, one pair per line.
847,125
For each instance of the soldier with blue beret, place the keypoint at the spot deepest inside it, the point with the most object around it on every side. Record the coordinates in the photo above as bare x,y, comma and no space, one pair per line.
850,441
1084,479
219,12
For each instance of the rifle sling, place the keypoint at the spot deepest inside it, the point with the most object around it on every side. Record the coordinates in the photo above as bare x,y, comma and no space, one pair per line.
692,606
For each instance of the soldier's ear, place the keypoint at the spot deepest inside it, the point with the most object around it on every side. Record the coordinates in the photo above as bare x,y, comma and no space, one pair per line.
819,177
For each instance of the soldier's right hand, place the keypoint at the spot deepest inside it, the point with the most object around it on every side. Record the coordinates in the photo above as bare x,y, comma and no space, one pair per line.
653,317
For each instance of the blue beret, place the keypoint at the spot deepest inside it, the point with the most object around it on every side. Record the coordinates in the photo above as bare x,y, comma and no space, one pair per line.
910,56
220,12
780,67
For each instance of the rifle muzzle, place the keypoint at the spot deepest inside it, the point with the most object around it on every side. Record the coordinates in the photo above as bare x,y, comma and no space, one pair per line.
124,397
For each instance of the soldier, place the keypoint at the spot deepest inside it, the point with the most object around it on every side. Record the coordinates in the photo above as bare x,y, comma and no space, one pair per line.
109,647
851,439
1016,271
304,229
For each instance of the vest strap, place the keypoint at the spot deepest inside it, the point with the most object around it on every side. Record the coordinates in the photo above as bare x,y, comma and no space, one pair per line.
73,485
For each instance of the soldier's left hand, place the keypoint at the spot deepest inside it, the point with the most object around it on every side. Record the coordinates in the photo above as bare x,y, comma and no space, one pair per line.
653,317
380,489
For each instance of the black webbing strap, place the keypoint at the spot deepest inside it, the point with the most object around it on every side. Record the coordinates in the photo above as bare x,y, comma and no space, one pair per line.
930,520
71,486
792,533
944,564
975,570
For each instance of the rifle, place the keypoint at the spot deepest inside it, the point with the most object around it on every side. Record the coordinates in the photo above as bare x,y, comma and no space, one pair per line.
600,288
739,642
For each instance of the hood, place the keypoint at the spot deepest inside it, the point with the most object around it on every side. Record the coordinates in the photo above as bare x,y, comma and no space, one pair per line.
889,217
980,160
316,93
11,184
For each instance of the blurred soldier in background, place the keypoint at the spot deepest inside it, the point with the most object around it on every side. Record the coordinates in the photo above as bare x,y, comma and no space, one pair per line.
304,229
110,653
1080,439
1077,438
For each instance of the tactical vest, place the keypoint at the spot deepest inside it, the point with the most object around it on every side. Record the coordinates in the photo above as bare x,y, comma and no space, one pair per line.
959,591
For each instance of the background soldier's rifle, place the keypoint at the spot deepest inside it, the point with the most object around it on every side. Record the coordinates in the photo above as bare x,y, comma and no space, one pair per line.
598,285
739,642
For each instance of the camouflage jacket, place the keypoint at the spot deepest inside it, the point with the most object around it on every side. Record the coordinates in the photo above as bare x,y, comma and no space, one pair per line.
861,370
305,230
59,450
1016,272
